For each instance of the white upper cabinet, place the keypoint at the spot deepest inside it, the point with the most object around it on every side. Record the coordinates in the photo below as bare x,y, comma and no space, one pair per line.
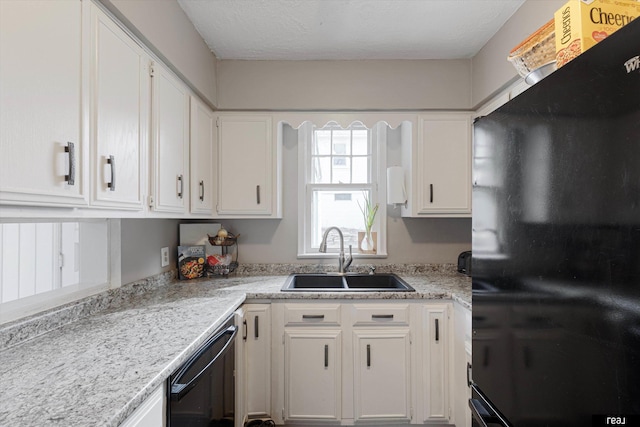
120,100
203,134
170,142
248,162
441,166
42,136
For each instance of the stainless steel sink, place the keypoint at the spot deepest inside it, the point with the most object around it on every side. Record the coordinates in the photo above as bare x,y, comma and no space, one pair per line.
346,283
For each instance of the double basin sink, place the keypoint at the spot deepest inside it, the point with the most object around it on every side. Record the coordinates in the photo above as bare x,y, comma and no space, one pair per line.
346,283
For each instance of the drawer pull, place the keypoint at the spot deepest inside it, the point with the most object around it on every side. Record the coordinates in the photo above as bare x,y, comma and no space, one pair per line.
326,355
202,191
256,326
368,355
71,177
112,162
180,186
244,324
437,330
382,316
313,316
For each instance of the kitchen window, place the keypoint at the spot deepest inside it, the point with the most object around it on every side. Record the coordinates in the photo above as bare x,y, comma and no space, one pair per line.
340,171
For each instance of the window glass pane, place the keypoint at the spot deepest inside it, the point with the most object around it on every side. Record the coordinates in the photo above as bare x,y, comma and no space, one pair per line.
321,170
341,170
360,170
360,142
335,208
341,142
321,142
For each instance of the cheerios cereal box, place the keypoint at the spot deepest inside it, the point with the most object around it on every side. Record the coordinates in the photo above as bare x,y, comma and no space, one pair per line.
580,24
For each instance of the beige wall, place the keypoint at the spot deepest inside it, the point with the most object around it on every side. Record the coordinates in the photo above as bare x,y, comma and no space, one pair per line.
323,85
165,28
344,85
141,241
490,69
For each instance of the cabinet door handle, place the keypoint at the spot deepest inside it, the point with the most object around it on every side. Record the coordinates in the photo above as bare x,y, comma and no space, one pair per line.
256,326
326,355
313,316
202,191
437,330
244,324
381,316
112,161
71,177
258,194
180,186
430,193
368,355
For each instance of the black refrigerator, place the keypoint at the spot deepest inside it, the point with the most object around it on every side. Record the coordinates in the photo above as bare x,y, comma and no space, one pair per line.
556,247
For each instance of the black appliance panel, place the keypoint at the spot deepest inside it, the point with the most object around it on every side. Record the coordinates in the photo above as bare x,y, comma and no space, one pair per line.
202,391
556,244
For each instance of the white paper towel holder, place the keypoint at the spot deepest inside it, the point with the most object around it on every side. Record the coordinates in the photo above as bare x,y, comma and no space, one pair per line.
396,191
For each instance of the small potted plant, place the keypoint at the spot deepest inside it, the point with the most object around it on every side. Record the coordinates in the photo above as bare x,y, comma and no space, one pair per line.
367,240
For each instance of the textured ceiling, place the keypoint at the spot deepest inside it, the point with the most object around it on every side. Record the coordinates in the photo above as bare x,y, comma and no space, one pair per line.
347,29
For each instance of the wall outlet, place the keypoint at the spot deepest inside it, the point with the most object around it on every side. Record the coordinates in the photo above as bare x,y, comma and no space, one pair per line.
164,255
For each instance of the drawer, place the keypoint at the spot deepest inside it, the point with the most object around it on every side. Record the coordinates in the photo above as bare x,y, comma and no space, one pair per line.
312,314
380,314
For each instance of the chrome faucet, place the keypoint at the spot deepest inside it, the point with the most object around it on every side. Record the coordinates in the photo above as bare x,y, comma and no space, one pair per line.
342,265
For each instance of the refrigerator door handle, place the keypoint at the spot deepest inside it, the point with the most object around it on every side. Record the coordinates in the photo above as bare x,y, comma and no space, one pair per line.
483,411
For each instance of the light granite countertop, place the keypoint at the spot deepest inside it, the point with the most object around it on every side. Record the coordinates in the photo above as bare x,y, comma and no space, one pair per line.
93,364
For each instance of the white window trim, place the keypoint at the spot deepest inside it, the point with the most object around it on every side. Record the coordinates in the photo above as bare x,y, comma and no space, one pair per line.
378,185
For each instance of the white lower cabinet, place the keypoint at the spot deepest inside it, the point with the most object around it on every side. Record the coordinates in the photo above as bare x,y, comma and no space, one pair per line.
356,363
313,374
257,344
151,413
436,355
382,375
462,362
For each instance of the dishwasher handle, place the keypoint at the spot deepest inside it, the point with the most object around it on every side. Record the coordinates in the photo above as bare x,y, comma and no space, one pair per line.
484,412
178,389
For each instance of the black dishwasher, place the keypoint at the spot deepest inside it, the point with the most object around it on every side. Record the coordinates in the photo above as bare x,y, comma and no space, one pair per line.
202,391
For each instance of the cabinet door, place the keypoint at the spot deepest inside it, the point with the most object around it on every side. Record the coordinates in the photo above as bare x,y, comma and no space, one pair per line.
312,375
170,116
257,344
436,353
151,413
382,372
444,165
41,100
246,168
120,101
202,157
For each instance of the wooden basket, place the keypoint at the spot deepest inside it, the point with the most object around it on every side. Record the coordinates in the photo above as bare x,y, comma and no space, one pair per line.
535,51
